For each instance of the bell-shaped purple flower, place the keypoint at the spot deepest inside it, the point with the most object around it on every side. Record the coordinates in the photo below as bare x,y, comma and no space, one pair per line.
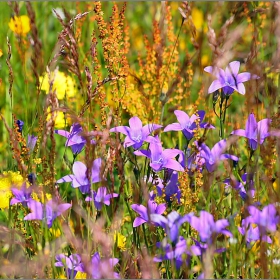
204,246
252,232
240,186
206,226
213,156
72,264
171,187
80,179
171,223
31,142
22,195
47,212
229,80
20,125
136,133
159,157
176,253
146,212
187,124
266,219
75,140
101,197
254,132
103,268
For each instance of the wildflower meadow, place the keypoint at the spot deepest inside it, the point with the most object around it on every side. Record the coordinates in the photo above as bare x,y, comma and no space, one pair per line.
139,140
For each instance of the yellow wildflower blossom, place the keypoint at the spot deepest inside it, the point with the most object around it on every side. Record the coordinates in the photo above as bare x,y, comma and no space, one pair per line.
42,196
63,85
20,25
81,275
59,119
1,52
197,16
8,180
55,232
61,276
121,241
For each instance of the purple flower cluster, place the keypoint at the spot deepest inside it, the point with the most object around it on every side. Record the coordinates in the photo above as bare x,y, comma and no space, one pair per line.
45,212
229,80
99,268
75,138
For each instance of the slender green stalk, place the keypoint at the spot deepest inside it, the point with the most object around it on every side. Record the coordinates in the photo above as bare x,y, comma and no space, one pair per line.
165,74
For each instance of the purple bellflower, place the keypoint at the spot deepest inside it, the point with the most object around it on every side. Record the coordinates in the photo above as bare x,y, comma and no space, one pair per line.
73,264
206,226
22,195
187,124
229,80
146,212
239,186
31,142
171,188
103,268
79,179
74,138
136,133
47,212
254,132
159,157
267,219
252,232
213,156
203,247
171,223
177,252
20,125
32,178
101,197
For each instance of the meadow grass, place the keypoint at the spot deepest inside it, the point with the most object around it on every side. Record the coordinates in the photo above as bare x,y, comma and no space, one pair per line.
109,117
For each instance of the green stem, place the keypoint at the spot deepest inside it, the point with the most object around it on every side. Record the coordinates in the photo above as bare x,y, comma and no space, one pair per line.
145,237
163,99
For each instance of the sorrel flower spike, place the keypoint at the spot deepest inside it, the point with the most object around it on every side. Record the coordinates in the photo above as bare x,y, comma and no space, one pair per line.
47,213
159,157
229,80
136,133
79,179
254,132
74,138
213,156
187,124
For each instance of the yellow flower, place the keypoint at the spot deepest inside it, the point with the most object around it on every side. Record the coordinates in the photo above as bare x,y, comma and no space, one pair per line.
8,180
197,16
1,52
59,119
63,85
81,275
121,241
36,197
274,76
55,232
20,25
61,276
